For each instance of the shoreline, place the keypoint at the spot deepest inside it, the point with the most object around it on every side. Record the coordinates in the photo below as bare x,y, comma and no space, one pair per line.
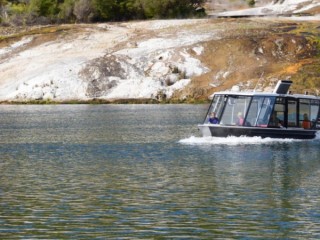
105,101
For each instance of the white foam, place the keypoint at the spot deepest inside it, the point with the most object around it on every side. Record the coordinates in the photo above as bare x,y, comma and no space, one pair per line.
317,136
231,140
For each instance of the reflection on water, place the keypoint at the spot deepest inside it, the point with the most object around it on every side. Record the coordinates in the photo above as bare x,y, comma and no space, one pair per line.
135,171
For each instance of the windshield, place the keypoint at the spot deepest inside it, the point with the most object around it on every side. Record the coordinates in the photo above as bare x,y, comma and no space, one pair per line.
235,110
260,111
215,108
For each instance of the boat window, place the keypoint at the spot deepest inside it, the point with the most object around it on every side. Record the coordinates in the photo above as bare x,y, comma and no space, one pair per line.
304,113
277,116
235,110
216,107
260,111
292,113
315,113
314,110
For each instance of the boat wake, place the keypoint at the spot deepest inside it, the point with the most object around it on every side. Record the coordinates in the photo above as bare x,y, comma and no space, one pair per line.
231,140
317,136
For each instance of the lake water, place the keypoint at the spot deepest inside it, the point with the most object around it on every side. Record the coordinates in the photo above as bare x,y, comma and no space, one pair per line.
143,172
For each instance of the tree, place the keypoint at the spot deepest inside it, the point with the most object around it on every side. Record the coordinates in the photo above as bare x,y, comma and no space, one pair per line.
105,9
170,8
45,8
3,12
128,10
278,1
66,9
251,3
48,11
2,3
83,10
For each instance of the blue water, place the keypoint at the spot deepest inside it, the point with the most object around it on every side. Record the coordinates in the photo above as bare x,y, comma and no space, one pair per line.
144,172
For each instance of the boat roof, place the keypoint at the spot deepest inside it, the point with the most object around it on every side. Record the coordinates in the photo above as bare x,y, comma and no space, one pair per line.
266,94
281,90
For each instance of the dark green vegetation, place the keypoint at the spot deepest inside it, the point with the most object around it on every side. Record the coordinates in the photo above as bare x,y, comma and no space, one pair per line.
29,12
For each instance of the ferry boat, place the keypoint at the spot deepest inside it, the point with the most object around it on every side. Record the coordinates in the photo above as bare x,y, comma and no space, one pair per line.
277,114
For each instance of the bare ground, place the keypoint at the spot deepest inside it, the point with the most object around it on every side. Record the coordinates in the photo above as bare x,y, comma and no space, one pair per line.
257,53
251,53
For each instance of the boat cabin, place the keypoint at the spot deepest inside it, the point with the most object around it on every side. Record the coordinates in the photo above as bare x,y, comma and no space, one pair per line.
277,114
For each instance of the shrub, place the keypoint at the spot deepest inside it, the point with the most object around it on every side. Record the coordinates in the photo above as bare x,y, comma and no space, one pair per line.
66,13
251,3
48,11
83,10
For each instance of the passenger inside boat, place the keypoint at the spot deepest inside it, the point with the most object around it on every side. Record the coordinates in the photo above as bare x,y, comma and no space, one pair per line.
306,124
274,120
213,119
240,119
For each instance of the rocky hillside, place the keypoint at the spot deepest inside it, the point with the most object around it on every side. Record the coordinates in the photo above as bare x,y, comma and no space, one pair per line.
256,53
154,61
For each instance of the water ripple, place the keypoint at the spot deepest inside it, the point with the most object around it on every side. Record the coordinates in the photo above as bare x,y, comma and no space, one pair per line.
76,172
